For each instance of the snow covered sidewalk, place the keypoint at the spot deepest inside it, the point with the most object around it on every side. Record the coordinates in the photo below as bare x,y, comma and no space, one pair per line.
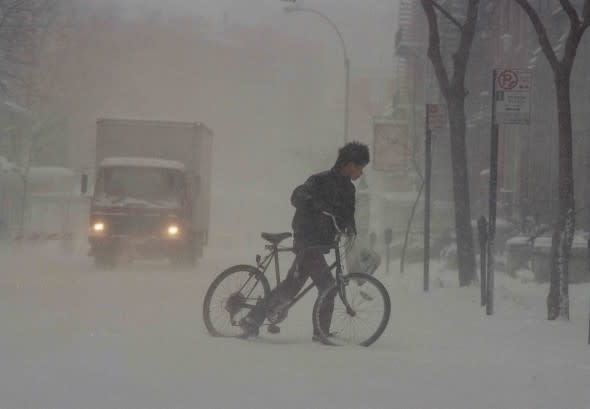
74,337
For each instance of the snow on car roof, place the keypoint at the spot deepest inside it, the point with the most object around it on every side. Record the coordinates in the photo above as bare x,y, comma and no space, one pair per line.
143,162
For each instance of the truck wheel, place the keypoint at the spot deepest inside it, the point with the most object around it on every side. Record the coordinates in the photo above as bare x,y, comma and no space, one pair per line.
105,261
184,258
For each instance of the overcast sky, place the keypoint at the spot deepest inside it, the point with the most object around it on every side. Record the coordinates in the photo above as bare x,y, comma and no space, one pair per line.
368,26
255,10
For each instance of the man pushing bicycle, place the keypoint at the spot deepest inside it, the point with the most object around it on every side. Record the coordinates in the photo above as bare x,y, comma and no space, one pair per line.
327,193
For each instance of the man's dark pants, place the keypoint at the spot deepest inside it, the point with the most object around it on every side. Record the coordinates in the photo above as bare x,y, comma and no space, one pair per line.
309,262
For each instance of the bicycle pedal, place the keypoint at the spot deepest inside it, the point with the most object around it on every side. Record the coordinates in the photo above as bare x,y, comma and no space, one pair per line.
273,329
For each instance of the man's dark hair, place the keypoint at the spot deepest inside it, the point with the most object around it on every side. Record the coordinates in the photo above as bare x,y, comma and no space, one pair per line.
355,152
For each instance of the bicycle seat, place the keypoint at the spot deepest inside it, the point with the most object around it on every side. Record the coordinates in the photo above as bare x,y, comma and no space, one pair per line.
275,238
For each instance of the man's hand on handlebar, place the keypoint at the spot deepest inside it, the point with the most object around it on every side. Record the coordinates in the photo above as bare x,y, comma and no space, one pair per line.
348,231
331,216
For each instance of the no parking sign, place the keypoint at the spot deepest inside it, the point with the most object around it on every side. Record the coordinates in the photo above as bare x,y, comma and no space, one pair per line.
512,95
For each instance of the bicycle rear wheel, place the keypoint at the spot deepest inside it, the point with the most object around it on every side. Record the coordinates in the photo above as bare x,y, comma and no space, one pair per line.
230,297
371,308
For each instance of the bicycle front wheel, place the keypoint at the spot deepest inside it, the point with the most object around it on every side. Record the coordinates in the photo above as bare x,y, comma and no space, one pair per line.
368,317
230,297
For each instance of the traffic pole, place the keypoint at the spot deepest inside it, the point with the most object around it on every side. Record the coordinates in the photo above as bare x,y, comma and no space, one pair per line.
427,184
492,203
482,227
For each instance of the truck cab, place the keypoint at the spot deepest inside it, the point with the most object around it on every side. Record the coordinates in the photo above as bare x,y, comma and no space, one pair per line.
142,208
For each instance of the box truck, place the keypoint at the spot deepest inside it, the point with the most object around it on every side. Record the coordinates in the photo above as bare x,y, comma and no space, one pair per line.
151,192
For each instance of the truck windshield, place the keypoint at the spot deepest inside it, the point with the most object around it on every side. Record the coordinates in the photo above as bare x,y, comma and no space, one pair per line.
141,185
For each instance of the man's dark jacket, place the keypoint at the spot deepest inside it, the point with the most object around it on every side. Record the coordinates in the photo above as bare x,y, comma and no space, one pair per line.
326,191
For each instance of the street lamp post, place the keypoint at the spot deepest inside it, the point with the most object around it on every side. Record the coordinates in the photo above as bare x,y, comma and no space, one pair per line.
290,9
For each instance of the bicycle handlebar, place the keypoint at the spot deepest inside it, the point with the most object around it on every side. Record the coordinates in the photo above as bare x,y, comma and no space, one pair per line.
334,221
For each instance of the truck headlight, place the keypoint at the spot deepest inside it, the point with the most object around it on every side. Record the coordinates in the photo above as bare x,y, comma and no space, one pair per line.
172,230
98,227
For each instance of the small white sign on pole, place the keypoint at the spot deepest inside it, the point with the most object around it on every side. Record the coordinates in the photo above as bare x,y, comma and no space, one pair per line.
513,96
390,151
437,116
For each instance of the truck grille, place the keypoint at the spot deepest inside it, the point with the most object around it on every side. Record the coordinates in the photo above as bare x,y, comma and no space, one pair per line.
135,225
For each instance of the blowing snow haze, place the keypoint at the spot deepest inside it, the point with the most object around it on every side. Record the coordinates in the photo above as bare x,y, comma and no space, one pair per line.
269,85
84,330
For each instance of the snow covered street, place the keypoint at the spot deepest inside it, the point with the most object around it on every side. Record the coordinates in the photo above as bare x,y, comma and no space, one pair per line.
75,337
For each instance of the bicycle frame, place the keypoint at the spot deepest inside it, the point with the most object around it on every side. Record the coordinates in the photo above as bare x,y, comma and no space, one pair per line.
273,254
238,289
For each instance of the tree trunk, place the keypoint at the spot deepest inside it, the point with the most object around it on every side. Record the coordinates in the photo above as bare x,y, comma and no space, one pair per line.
465,251
558,298
563,235
454,93
553,296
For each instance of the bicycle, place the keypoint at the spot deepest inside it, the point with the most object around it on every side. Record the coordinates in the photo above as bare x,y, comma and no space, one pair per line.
359,295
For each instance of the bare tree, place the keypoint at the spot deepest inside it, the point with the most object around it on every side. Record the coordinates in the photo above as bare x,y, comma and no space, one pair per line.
563,235
454,93
20,23
22,26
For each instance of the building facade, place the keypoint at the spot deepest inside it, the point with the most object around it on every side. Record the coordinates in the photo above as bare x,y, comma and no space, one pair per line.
527,162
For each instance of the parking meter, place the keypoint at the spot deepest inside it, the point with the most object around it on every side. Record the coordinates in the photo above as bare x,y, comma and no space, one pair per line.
388,237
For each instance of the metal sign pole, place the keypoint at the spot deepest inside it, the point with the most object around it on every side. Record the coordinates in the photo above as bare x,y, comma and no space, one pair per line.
388,236
482,228
427,180
492,203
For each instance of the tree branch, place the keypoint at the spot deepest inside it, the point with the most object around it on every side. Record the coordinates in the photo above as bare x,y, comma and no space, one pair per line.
575,36
462,54
434,47
571,12
575,33
586,12
11,9
5,14
447,15
541,34
571,45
